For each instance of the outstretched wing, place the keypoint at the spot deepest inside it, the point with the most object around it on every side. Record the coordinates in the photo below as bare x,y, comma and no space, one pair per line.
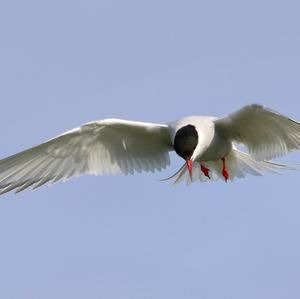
266,133
107,146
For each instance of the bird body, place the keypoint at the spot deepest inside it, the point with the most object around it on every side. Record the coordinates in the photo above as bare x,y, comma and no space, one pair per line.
114,146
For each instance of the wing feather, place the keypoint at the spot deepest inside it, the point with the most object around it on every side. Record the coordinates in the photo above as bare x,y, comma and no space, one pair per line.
109,146
266,133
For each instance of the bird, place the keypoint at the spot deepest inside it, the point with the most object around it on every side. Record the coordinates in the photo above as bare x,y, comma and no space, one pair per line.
210,147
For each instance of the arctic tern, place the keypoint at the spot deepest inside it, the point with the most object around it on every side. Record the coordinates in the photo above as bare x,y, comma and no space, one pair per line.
115,146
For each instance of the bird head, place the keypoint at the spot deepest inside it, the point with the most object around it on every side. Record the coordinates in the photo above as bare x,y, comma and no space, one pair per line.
185,143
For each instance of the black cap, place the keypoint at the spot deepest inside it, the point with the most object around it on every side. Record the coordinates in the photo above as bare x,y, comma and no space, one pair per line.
185,142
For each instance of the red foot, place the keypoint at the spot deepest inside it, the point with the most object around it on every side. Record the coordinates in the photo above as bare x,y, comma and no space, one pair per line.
225,172
205,170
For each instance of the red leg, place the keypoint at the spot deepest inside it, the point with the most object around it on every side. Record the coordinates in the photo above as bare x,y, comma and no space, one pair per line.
225,172
205,170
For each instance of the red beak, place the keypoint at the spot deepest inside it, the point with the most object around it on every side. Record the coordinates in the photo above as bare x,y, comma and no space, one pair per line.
189,164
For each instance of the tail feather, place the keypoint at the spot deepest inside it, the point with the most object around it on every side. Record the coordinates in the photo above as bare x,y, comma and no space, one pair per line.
239,164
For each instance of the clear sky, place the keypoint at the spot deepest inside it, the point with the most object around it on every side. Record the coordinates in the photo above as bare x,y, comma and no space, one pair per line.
64,63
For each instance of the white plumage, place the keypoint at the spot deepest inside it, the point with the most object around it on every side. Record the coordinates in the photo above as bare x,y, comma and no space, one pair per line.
266,133
117,146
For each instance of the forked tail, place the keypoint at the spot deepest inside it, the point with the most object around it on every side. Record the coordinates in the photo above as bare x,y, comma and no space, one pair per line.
239,164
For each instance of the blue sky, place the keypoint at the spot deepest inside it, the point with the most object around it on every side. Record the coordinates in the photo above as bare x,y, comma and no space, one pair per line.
64,63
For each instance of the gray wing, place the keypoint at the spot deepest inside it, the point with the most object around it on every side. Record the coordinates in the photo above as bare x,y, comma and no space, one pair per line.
110,146
266,133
